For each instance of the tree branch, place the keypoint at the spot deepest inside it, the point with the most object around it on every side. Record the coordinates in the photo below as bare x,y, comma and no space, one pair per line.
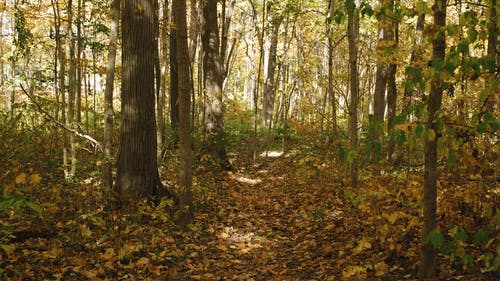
52,119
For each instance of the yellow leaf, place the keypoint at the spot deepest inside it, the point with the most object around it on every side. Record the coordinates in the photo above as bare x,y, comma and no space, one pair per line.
363,245
329,227
353,270
381,269
405,127
142,261
392,218
21,178
109,254
35,179
85,231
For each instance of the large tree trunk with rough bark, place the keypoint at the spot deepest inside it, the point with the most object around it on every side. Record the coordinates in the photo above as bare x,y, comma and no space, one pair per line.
213,82
428,255
137,171
268,93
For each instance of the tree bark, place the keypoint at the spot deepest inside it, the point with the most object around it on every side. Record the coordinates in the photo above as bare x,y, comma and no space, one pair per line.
428,254
108,96
381,77
70,174
493,49
352,37
164,62
329,91
392,91
268,94
137,169
160,119
174,80
185,172
213,83
78,62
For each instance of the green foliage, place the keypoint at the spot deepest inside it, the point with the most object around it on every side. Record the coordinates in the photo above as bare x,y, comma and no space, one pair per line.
24,37
17,201
469,247
366,9
436,238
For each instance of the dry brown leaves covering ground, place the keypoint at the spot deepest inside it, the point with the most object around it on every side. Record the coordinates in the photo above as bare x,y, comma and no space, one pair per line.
284,218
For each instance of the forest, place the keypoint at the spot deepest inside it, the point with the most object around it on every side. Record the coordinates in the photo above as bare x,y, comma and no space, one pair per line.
249,140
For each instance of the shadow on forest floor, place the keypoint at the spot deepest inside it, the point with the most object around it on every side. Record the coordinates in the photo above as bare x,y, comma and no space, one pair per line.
287,217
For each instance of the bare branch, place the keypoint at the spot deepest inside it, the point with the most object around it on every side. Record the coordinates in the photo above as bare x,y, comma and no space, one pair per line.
53,120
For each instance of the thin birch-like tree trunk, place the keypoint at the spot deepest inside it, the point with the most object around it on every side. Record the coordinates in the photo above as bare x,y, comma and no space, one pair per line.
108,96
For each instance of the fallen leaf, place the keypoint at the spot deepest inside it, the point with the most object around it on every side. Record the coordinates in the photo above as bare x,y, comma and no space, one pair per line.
363,245
20,179
35,179
143,261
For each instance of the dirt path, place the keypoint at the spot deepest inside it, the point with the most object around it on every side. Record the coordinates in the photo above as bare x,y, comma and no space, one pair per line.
269,226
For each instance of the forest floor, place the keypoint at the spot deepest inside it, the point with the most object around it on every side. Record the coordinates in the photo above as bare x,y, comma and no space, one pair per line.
283,217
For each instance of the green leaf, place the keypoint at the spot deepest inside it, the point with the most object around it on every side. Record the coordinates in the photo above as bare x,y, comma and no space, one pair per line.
472,33
463,47
350,5
436,238
479,238
366,10
338,16
452,157
7,202
461,235
34,207
467,259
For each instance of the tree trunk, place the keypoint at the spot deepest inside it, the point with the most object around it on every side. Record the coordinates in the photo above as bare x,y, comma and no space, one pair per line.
174,80
185,172
493,49
70,174
137,169
213,80
108,96
352,37
160,120
381,77
329,91
268,94
428,255
259,70
392,91
161,99
79,69
2,70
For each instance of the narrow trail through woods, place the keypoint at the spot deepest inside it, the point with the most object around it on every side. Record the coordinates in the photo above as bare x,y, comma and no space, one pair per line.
268,225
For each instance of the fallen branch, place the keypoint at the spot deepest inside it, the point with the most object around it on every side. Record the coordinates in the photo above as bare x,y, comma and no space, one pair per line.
64,126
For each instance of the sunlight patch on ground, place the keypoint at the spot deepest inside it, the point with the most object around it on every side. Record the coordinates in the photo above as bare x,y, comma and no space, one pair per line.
271,154
245,180
241,240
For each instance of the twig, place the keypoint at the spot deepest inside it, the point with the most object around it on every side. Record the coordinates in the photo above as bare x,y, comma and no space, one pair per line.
64,126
